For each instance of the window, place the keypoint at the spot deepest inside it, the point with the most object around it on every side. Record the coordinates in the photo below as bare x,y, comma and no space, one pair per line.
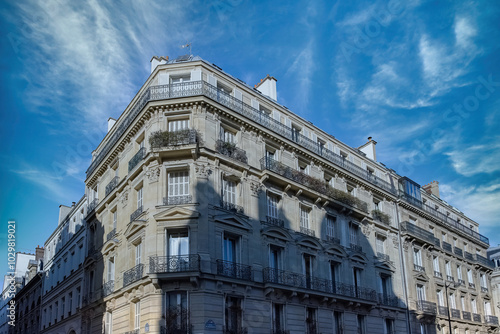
295,133
423,329
307,265
487,308
443,236
78,294
138,254
462,303
230,248
440,298
271,155
338,323
177,311
482,279
278,318
473,305
227,136
115,218
70,300
421,292
389,326
178,184
275,257
311,321
353,233
380,244
417,258
180,78
453,303
376,204
304,217
331,223
108,323
63,302
448,270
356,273
470,278
137,318
459,272
386,286
361,324
178,243
233,314
272,205
111,269
229,191
435,263
139,198
178,124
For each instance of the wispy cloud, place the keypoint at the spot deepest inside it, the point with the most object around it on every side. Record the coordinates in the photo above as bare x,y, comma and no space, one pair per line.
476,159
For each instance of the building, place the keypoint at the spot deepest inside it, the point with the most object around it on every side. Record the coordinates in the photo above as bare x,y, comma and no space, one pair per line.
63,280
494,255
213,208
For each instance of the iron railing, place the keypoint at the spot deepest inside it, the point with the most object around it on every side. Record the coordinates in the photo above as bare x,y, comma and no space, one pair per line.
92,205
381,217
230,150
136,214
450,278
231,207
455,313
387,300
476,317
419,233
356,248
307,231
443,310
447,246
234,270
491,319
275,221
161,139
466,315
312,183
292,279
174,263
112,185
458,251
484,261
133,274
111,234
333,239
177,200
461,282
137,158
484,289
383,257
419,268
469,256
426,307
472,285
108,288
438,274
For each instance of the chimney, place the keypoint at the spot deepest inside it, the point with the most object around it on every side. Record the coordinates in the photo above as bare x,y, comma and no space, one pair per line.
39,252
63,212
155,61
267,86
369,149
111,122
432,188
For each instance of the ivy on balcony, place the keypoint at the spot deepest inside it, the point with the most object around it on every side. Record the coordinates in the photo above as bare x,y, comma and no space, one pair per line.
230,150
381,216
173,138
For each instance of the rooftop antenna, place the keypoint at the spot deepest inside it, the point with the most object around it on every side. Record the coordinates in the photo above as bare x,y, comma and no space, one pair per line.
187,45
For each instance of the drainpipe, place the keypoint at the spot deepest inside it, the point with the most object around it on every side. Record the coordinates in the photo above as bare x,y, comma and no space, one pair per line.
403,271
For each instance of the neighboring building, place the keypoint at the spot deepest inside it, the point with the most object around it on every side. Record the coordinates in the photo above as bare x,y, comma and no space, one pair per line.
494,255
65,252
215,209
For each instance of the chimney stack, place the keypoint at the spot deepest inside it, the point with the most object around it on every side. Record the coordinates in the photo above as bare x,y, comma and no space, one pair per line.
155,61
39,252
432,188
267,86
369,149
111,122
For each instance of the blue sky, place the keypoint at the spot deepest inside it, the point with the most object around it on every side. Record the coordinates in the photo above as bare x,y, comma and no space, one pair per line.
421,77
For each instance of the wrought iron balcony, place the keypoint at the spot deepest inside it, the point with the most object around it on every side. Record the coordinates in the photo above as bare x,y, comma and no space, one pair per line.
450,278
447,246
490,319
438,274
275,221
458,251
307,231
167,139
383,257
296,280
484,261
230,150
141,154
108,288
472,285
443,310
174,264
455,313
416,267
92,205
111,234
419,233
356,248
310,182
333,239
469,256
231,207
177,200
476,317
461,282
136,214
388,300
133,274
484,289
234,270
466,315
426,307
112,185
381,217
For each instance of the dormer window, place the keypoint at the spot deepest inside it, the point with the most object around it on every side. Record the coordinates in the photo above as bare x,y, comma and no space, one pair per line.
180,78
227,136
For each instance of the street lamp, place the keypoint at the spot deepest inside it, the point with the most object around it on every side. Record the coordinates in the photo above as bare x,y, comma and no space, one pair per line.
448,301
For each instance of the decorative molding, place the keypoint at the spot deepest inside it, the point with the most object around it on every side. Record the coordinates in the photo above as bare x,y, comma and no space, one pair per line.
202,170
255,187
153,173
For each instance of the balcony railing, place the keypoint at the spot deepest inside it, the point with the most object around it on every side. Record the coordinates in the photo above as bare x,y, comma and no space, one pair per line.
111,234
112,185
381,217
438,274
275,221
458,251
461,282
174,263
383,257
472,285
426,307
484,261
133,274
416,267
234,270
161,139
455,313
177,200
447,246
108,288
141,154
312,183
476,317
230,150
92,205
466,315
443,310
450,278
307,231
231,207
484,289
388,300
136,214
333,239
292,279
490,319
419,233
469,256
356,248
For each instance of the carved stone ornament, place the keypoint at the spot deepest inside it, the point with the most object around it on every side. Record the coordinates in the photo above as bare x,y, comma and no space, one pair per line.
406,245
202,170
124,197
366,229
395,241
255,187
153,174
